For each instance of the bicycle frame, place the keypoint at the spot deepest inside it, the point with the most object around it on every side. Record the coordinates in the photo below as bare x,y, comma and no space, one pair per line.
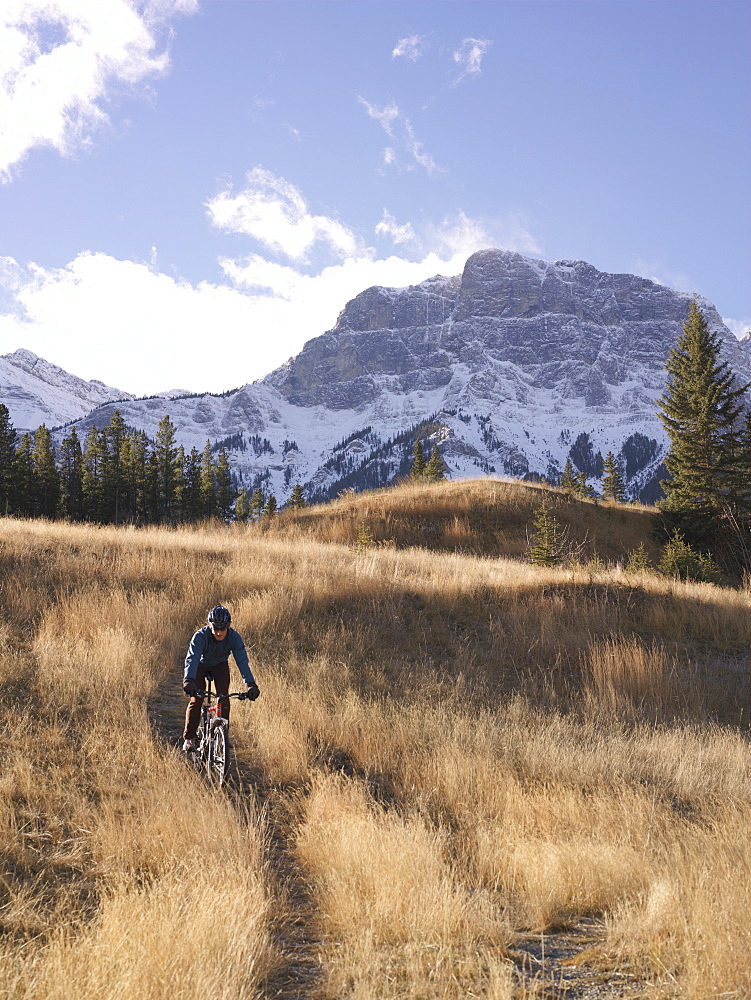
212,751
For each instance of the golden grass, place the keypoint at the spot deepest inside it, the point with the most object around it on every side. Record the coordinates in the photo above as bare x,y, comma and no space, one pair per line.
457,748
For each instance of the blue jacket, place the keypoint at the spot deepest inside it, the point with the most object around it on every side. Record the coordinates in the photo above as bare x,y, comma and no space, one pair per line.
207,651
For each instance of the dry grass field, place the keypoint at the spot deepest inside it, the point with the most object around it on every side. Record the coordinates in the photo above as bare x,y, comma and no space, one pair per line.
453,752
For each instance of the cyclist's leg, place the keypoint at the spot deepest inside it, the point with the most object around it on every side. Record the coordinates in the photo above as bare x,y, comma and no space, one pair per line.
221,686
193,711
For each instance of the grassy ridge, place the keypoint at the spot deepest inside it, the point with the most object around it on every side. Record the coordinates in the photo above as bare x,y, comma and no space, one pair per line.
455,748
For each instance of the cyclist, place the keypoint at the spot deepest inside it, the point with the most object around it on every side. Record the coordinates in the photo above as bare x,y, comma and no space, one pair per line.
208,656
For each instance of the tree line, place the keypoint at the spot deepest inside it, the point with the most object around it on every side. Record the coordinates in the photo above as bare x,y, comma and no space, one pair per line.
117,476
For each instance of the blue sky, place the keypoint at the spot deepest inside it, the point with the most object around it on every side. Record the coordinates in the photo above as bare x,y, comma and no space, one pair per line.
191,189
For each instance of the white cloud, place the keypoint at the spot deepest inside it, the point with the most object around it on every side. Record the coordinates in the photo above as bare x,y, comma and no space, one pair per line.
384,116
60,58
128,326
399,235
411,47
398,127
274,212
469,56
740,327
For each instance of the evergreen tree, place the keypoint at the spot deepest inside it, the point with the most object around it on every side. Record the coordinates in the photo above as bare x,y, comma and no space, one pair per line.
71,477
569,482
208,483
435,470
680,560
24,480
545,544
699,409
297,498
225,489
153,497
165,452
93,467
271,506
190,497
46,476
242,506
612,484
418,461
113,472
135,458
257,503
7,460
638,560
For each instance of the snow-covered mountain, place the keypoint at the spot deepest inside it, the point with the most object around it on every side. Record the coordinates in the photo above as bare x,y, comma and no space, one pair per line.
37,392
510,368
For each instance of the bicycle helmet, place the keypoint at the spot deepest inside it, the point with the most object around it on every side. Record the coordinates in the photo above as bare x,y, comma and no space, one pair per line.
219,617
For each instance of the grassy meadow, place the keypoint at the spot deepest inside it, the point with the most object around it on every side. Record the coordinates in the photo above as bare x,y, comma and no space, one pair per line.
453,749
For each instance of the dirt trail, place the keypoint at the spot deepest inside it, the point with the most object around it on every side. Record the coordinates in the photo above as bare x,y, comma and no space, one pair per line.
301,972
547,964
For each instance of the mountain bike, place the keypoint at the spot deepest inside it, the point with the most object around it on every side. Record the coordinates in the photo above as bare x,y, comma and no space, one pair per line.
212,737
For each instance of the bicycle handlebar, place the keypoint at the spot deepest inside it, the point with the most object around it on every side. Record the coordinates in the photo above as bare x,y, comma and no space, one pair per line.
240,695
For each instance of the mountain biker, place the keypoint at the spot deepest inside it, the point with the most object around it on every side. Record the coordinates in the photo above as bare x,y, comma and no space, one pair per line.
208,656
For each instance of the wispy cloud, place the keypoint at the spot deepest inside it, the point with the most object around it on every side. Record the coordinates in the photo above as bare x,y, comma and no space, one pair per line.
60,60
275,213
400,235
398,127
384,116
411,47
469,56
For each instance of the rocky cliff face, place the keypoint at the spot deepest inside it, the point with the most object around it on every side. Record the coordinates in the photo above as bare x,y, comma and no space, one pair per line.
564,328
510,368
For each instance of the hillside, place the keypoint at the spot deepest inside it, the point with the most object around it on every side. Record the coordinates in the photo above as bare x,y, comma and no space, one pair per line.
459,763
482,517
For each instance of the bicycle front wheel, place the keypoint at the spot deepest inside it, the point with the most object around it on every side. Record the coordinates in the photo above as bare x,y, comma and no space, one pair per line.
217,762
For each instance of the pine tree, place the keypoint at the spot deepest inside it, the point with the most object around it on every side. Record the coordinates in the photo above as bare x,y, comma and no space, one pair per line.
638,560
7,457
583,489
225,489
71,477
271,506
242,506
190,499
113,474
46,476
297,498
418,463
153,501
257,503
165,451
135,458
612,484
93,466
546,541
569,483
435,470
24,480
208,483
700,408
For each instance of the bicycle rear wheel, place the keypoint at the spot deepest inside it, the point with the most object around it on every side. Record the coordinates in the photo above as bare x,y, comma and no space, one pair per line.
217,763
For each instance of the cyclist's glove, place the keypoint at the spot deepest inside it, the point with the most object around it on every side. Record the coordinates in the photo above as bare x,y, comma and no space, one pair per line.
189,687
252,693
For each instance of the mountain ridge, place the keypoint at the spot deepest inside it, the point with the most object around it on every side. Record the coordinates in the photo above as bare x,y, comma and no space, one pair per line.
511,367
